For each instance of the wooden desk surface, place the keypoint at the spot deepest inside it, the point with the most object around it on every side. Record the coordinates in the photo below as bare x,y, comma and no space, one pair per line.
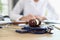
10,34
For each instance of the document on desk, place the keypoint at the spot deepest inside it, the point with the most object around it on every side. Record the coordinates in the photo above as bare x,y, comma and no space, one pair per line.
56,23
52,21
5,22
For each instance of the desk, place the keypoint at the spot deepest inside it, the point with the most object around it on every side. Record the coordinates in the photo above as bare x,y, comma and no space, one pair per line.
10,34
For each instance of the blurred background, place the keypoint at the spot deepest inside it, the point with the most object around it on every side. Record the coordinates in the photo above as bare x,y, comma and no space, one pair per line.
7,5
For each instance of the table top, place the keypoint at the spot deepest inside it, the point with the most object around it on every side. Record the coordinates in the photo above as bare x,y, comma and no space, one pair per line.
9,33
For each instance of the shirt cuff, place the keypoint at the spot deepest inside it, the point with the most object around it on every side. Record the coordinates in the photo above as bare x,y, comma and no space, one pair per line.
19,18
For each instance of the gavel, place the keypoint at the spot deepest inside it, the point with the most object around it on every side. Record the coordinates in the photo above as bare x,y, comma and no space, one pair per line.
31,23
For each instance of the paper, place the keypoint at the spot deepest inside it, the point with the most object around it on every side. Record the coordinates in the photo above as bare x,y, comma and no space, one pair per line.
5,22
52,21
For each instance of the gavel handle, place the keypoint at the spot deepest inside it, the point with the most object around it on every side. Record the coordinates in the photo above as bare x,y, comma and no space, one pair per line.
19,23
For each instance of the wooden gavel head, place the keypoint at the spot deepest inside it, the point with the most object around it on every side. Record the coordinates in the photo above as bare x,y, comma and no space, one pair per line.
34,23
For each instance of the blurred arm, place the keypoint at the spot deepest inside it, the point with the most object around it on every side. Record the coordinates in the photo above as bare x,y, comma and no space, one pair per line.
15,13
52,15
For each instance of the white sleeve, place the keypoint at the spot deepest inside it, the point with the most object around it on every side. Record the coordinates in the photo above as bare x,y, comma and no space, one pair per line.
15,13
52,15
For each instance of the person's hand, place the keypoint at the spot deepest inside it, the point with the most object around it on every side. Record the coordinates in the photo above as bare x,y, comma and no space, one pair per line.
41,18
28,17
